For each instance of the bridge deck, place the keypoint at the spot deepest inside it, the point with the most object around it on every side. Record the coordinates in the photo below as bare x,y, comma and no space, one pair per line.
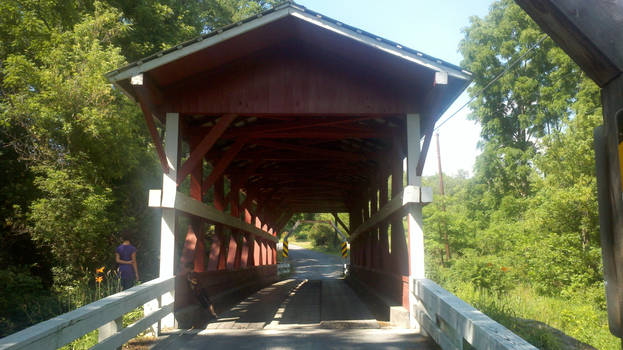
312,310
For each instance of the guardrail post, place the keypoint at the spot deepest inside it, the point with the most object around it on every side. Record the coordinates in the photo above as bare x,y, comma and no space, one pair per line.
109,329
149,308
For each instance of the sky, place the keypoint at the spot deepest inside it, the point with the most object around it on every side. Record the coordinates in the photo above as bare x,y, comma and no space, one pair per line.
435,28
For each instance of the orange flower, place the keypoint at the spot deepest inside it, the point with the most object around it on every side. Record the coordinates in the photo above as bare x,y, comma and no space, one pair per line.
100,270
505,269
99,279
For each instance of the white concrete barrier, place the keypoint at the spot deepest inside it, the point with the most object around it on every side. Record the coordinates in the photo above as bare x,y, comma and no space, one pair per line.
451,322
104,314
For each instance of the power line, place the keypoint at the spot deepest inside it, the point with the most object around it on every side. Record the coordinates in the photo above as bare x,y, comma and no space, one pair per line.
508,68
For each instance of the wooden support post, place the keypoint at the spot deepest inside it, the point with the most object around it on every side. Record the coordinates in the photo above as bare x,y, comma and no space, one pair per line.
109,329
231,252
251,260
244,251
365,249
234,199
383,246
264,253
194,246
215,253
375,252
219,203
399,256
257,252
414,217
169,191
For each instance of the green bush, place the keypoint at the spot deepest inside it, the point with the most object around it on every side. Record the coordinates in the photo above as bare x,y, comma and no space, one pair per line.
489,273
322,235
23,300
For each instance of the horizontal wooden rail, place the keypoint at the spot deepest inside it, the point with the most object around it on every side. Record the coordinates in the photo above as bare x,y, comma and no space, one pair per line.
63,329
194,207
450,321
410,195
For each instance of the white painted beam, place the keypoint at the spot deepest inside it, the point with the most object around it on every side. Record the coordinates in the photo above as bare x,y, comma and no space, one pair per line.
192,206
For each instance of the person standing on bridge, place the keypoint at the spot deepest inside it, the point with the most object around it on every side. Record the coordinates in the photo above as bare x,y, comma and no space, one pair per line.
126,258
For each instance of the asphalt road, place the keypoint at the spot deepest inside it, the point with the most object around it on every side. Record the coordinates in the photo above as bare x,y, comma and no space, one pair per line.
313,309
308,264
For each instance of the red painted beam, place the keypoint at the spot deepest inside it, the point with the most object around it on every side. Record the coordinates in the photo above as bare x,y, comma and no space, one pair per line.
155,137
223,163
196,156
290,126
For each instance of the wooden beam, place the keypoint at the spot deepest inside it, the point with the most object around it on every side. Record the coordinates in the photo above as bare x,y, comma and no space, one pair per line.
326,134
588,31
191,206
410,195
223,163
196,156
428,135
310,150
155,138
339,221
289,126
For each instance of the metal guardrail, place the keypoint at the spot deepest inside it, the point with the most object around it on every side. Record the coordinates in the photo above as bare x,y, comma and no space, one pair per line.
451,322
105,314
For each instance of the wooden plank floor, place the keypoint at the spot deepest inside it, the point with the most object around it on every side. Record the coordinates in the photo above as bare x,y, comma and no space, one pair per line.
300,313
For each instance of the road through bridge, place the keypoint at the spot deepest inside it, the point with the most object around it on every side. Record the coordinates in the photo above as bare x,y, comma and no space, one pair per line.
314,308
287,112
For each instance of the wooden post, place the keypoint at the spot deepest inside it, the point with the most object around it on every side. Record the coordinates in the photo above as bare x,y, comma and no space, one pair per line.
373,236
194,246
168,224
219,203
383,241
399,256
109,329
416,235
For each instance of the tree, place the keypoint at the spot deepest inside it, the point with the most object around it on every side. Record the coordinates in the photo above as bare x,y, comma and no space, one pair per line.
529,101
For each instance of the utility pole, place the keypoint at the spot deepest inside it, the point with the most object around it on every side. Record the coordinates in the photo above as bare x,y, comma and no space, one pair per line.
443,204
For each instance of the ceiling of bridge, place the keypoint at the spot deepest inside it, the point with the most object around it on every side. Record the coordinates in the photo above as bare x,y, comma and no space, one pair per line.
320,105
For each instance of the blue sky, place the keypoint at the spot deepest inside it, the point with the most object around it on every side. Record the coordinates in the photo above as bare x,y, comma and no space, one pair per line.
435,28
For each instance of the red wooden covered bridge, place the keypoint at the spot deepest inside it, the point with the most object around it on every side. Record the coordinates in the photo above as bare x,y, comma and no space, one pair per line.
289,112
296,112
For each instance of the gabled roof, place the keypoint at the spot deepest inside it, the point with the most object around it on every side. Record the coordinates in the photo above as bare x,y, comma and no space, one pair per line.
288,9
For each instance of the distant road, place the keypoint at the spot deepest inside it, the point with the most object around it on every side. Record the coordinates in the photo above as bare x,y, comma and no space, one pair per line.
308,264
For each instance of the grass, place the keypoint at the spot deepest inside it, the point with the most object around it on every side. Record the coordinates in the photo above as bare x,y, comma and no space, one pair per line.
549,323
